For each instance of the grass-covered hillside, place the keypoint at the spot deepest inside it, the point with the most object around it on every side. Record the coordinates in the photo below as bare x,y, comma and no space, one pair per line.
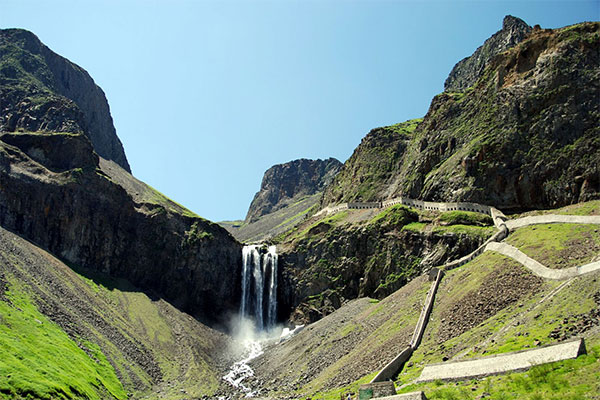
491,305
70,333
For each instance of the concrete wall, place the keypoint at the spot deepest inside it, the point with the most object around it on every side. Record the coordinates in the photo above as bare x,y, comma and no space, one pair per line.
496,237
422,205
394,366
502,363
424,317
360,206
552,219
406,396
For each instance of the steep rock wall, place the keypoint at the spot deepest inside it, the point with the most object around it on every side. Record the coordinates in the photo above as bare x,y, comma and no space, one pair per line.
42,91
336,264
466,72
63,202
283,183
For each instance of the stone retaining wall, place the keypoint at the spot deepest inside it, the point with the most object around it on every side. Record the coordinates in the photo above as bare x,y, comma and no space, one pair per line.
375,390
552,219
391,369
419,204
424,317
406,396
394,366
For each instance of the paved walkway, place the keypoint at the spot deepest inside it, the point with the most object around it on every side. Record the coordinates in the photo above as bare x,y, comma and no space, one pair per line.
502,363
539,269
513,224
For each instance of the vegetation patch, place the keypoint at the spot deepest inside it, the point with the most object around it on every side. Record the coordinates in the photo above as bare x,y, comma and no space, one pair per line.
469,230
569,379
39,360
558,245
465,218
395,216
153,196
196,234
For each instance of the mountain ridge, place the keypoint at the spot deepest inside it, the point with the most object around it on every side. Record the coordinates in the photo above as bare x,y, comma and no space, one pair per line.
38,87
283,183
497,142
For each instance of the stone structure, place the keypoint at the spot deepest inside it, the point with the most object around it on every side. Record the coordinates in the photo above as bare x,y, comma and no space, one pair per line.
393,367
376,390
493,243
419,204
502,363
424,317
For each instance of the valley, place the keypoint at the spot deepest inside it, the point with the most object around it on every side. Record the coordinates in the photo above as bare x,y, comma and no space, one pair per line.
471,232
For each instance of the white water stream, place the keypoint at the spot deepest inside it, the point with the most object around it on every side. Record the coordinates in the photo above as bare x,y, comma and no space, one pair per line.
258,311
241,370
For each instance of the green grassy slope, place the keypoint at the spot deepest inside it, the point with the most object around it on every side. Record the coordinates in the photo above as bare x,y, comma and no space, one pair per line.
559,245
67,334
141,192
38,359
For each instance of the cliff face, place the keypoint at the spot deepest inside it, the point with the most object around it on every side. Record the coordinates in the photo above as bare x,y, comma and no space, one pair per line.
357,253
283,183
42,91
466,72
524,136
54,193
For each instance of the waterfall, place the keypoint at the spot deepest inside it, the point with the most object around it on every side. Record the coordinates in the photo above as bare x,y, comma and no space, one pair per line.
259,285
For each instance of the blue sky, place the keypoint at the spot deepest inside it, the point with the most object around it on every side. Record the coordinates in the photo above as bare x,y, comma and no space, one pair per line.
206,95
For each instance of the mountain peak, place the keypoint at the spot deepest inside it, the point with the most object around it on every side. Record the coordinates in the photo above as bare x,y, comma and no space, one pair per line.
36,82
511,21
466,72
284,182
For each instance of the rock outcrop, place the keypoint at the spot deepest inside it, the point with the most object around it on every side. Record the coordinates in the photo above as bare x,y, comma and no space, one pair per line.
58,191
282,184
468,70
54,192
524,136
325,263
42,91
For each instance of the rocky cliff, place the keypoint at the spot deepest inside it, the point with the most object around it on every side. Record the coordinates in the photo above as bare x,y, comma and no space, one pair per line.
42,91
282,184
524,135
468,70
356,253
55,191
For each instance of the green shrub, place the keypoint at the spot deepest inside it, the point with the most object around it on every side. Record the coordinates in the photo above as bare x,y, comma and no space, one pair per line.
466,218
396,216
